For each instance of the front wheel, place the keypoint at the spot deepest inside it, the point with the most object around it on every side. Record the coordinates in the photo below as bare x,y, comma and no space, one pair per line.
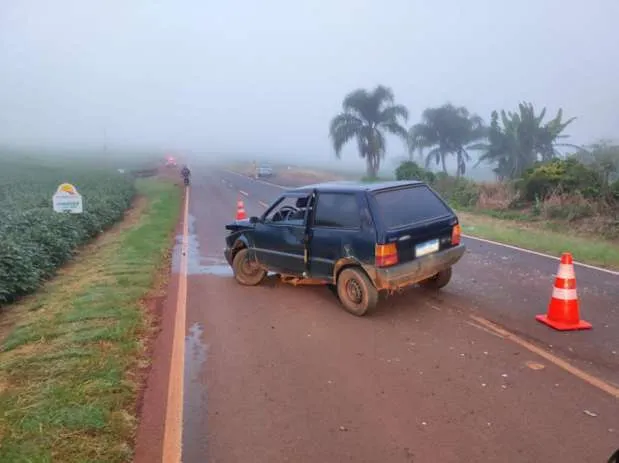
246,270
356,292
438,281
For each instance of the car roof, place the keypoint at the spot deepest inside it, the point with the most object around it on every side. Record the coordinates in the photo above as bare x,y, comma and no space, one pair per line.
352,186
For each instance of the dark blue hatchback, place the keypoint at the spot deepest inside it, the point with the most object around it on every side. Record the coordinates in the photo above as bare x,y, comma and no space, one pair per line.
362,238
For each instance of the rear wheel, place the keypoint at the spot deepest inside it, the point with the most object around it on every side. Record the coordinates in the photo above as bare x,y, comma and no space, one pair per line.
438,281
246,270
356,292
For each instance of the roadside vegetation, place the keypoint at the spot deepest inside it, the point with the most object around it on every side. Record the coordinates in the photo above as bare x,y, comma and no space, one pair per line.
548,195
73,355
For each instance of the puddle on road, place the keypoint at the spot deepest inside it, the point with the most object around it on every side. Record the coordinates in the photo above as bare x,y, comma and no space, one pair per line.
219,270
215,266
195,394
196,264
195,353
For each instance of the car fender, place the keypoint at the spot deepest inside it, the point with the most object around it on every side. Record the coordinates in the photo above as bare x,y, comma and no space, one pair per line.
241,241
351,261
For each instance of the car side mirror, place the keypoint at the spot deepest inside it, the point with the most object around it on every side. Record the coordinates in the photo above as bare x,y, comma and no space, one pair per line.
254,219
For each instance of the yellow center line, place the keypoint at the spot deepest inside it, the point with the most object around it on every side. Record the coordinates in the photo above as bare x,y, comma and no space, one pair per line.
583,375
173,431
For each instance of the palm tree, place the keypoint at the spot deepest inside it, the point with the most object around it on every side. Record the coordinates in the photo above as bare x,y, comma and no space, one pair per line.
366,117
517,140
446,130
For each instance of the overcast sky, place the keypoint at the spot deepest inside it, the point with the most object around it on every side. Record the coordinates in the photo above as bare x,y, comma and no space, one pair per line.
266,76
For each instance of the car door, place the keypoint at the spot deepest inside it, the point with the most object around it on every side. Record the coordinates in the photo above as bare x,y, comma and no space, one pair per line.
280,242
337,231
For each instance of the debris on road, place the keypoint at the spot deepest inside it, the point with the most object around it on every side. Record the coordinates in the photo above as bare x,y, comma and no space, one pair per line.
593,414
534,365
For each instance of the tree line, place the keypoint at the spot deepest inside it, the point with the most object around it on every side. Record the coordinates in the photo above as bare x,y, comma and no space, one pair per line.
513,143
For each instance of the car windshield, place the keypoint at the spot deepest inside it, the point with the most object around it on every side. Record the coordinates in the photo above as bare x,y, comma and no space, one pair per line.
289,210
406,206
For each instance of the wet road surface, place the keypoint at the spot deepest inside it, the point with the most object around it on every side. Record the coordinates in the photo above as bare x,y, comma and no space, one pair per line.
277,373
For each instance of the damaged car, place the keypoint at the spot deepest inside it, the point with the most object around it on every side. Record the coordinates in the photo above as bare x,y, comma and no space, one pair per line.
360,238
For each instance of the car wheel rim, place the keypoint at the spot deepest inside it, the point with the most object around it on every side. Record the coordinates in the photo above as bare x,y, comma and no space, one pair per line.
250,267
354,291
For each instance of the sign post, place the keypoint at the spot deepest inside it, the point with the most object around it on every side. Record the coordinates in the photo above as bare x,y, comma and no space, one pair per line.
67,199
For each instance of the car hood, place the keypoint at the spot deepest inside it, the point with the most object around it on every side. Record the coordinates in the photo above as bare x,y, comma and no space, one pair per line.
238,225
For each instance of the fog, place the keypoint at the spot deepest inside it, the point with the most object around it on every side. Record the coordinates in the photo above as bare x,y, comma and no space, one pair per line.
265,78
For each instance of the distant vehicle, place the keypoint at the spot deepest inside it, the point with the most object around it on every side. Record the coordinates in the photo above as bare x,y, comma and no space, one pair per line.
170,162
359,238
264,171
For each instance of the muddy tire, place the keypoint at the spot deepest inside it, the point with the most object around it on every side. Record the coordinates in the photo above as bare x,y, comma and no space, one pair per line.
246,271
356,292
438,281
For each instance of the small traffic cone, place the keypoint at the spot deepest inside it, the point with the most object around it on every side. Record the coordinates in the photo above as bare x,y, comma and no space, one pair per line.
240,210
563,311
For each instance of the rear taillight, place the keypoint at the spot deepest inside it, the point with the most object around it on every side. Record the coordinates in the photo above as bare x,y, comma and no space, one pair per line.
386,255
455,234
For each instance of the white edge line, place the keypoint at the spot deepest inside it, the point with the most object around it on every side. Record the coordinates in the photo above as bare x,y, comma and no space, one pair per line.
496,243
541,254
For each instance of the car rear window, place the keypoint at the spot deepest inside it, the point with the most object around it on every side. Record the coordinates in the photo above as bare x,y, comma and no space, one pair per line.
406,206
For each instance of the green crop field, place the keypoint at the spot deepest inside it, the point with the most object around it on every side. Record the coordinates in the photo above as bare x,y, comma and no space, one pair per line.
35,240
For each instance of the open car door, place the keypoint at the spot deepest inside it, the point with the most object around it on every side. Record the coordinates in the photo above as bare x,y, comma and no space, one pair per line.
281,235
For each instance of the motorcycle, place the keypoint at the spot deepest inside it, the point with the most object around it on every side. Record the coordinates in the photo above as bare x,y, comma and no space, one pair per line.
186,181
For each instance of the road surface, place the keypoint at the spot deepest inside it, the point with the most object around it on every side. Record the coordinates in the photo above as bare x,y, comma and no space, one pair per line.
277,373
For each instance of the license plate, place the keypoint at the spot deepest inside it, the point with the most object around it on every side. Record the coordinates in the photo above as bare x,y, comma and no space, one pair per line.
426,248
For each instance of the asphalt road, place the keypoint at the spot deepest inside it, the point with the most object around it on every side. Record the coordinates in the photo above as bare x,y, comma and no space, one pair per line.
510,287
277,373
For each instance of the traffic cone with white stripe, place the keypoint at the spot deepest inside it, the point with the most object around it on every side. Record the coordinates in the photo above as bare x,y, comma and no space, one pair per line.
563,310
240,210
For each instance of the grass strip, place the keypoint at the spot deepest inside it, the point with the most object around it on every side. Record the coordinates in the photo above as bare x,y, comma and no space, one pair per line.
68,382
589,250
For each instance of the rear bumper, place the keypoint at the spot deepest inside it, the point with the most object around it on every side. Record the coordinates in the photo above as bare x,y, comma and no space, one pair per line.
417,270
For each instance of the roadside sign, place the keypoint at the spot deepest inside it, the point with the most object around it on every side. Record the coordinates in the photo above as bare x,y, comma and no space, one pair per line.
67,199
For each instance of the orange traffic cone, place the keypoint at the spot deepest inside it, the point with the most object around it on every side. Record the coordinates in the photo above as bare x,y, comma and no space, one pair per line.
563,312
240,210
